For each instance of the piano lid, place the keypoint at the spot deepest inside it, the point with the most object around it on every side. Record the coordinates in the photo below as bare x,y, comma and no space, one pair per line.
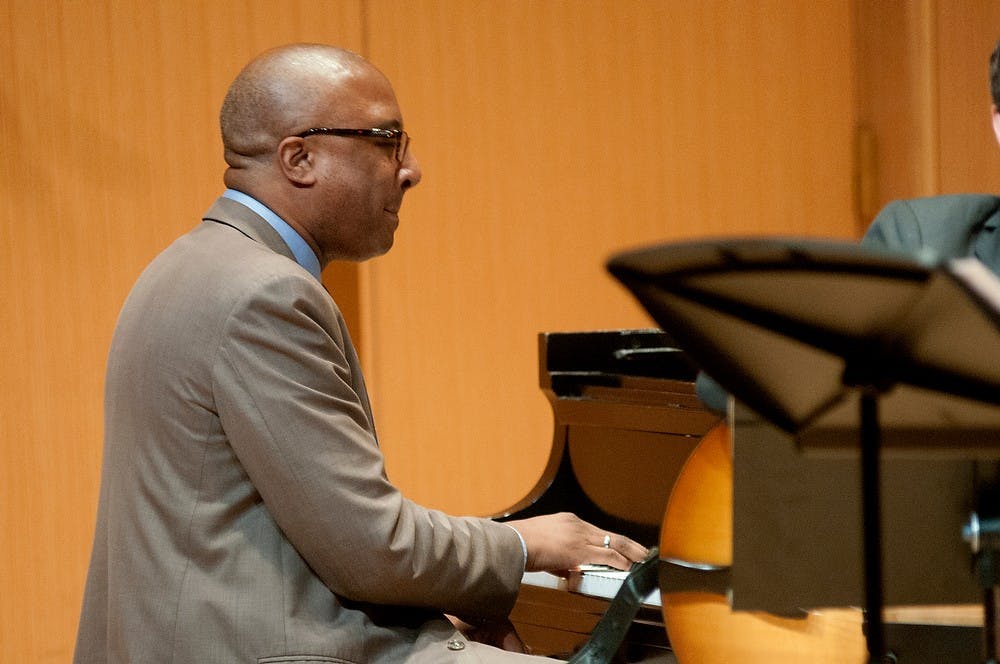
569,360
625,419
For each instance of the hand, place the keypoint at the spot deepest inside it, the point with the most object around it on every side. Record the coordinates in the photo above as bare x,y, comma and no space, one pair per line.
561,542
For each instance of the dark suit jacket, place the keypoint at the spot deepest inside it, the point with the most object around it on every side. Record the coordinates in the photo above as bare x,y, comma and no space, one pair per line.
953,226
244,513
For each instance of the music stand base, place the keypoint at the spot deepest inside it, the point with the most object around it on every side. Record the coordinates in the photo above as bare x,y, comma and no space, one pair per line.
935,644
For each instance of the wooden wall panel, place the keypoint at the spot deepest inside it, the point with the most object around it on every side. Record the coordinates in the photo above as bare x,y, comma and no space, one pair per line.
965,35
924,92
552,134
108,131
897,99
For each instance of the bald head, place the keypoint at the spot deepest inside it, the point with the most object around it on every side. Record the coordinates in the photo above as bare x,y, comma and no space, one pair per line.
340,193
278,92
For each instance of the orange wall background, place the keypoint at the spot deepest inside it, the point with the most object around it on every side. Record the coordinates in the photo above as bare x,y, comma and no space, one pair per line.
551,134
110,150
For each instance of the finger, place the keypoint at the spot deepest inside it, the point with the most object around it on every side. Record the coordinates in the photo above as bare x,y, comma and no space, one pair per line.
610,558
632,550
619,551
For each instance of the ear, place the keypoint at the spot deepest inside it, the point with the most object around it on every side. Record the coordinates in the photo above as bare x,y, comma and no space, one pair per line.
296,161
996,122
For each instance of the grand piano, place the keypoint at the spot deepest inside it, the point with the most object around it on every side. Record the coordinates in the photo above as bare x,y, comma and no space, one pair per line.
626,417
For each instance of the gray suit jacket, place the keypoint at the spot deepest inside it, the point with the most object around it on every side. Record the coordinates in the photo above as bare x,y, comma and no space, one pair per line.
952,226
244,513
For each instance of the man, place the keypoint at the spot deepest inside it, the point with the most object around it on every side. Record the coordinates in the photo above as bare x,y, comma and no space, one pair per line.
245,515
952,226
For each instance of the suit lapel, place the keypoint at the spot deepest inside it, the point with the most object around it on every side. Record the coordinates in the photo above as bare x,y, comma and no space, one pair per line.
987,244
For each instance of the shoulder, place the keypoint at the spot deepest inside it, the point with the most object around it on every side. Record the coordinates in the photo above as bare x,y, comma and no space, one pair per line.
934,209
947,224
218,258
215,272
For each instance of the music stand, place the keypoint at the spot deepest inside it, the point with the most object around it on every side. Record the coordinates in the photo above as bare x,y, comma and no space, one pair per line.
838,344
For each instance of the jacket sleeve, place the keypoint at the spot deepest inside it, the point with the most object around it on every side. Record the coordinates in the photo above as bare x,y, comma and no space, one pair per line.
894,228
289,402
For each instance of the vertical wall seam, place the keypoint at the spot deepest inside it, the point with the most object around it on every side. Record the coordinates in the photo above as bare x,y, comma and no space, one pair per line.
926,92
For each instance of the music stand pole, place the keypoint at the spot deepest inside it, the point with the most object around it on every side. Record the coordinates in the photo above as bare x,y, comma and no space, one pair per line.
871,443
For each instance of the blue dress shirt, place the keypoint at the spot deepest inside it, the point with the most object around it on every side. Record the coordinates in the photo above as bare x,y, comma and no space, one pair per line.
304,255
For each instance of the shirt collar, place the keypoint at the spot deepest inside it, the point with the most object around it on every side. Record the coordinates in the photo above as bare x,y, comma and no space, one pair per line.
304,255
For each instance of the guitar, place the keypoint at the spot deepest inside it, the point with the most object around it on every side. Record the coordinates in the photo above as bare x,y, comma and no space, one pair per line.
697,526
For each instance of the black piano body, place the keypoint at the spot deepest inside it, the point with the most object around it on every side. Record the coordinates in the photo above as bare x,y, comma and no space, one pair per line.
626,417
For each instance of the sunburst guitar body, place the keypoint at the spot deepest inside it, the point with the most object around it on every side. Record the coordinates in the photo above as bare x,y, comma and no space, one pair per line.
702,628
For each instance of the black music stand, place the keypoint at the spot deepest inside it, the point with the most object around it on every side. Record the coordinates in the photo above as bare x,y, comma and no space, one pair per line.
838,344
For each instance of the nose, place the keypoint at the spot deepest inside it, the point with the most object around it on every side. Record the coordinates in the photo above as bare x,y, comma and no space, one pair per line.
409,171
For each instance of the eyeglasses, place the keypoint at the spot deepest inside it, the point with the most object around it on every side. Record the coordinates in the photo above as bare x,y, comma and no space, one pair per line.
399,138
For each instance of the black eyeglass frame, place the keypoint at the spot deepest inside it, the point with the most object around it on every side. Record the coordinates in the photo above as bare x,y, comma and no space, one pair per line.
400,137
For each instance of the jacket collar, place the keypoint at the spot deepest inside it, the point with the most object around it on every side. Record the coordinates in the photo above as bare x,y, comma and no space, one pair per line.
248,222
